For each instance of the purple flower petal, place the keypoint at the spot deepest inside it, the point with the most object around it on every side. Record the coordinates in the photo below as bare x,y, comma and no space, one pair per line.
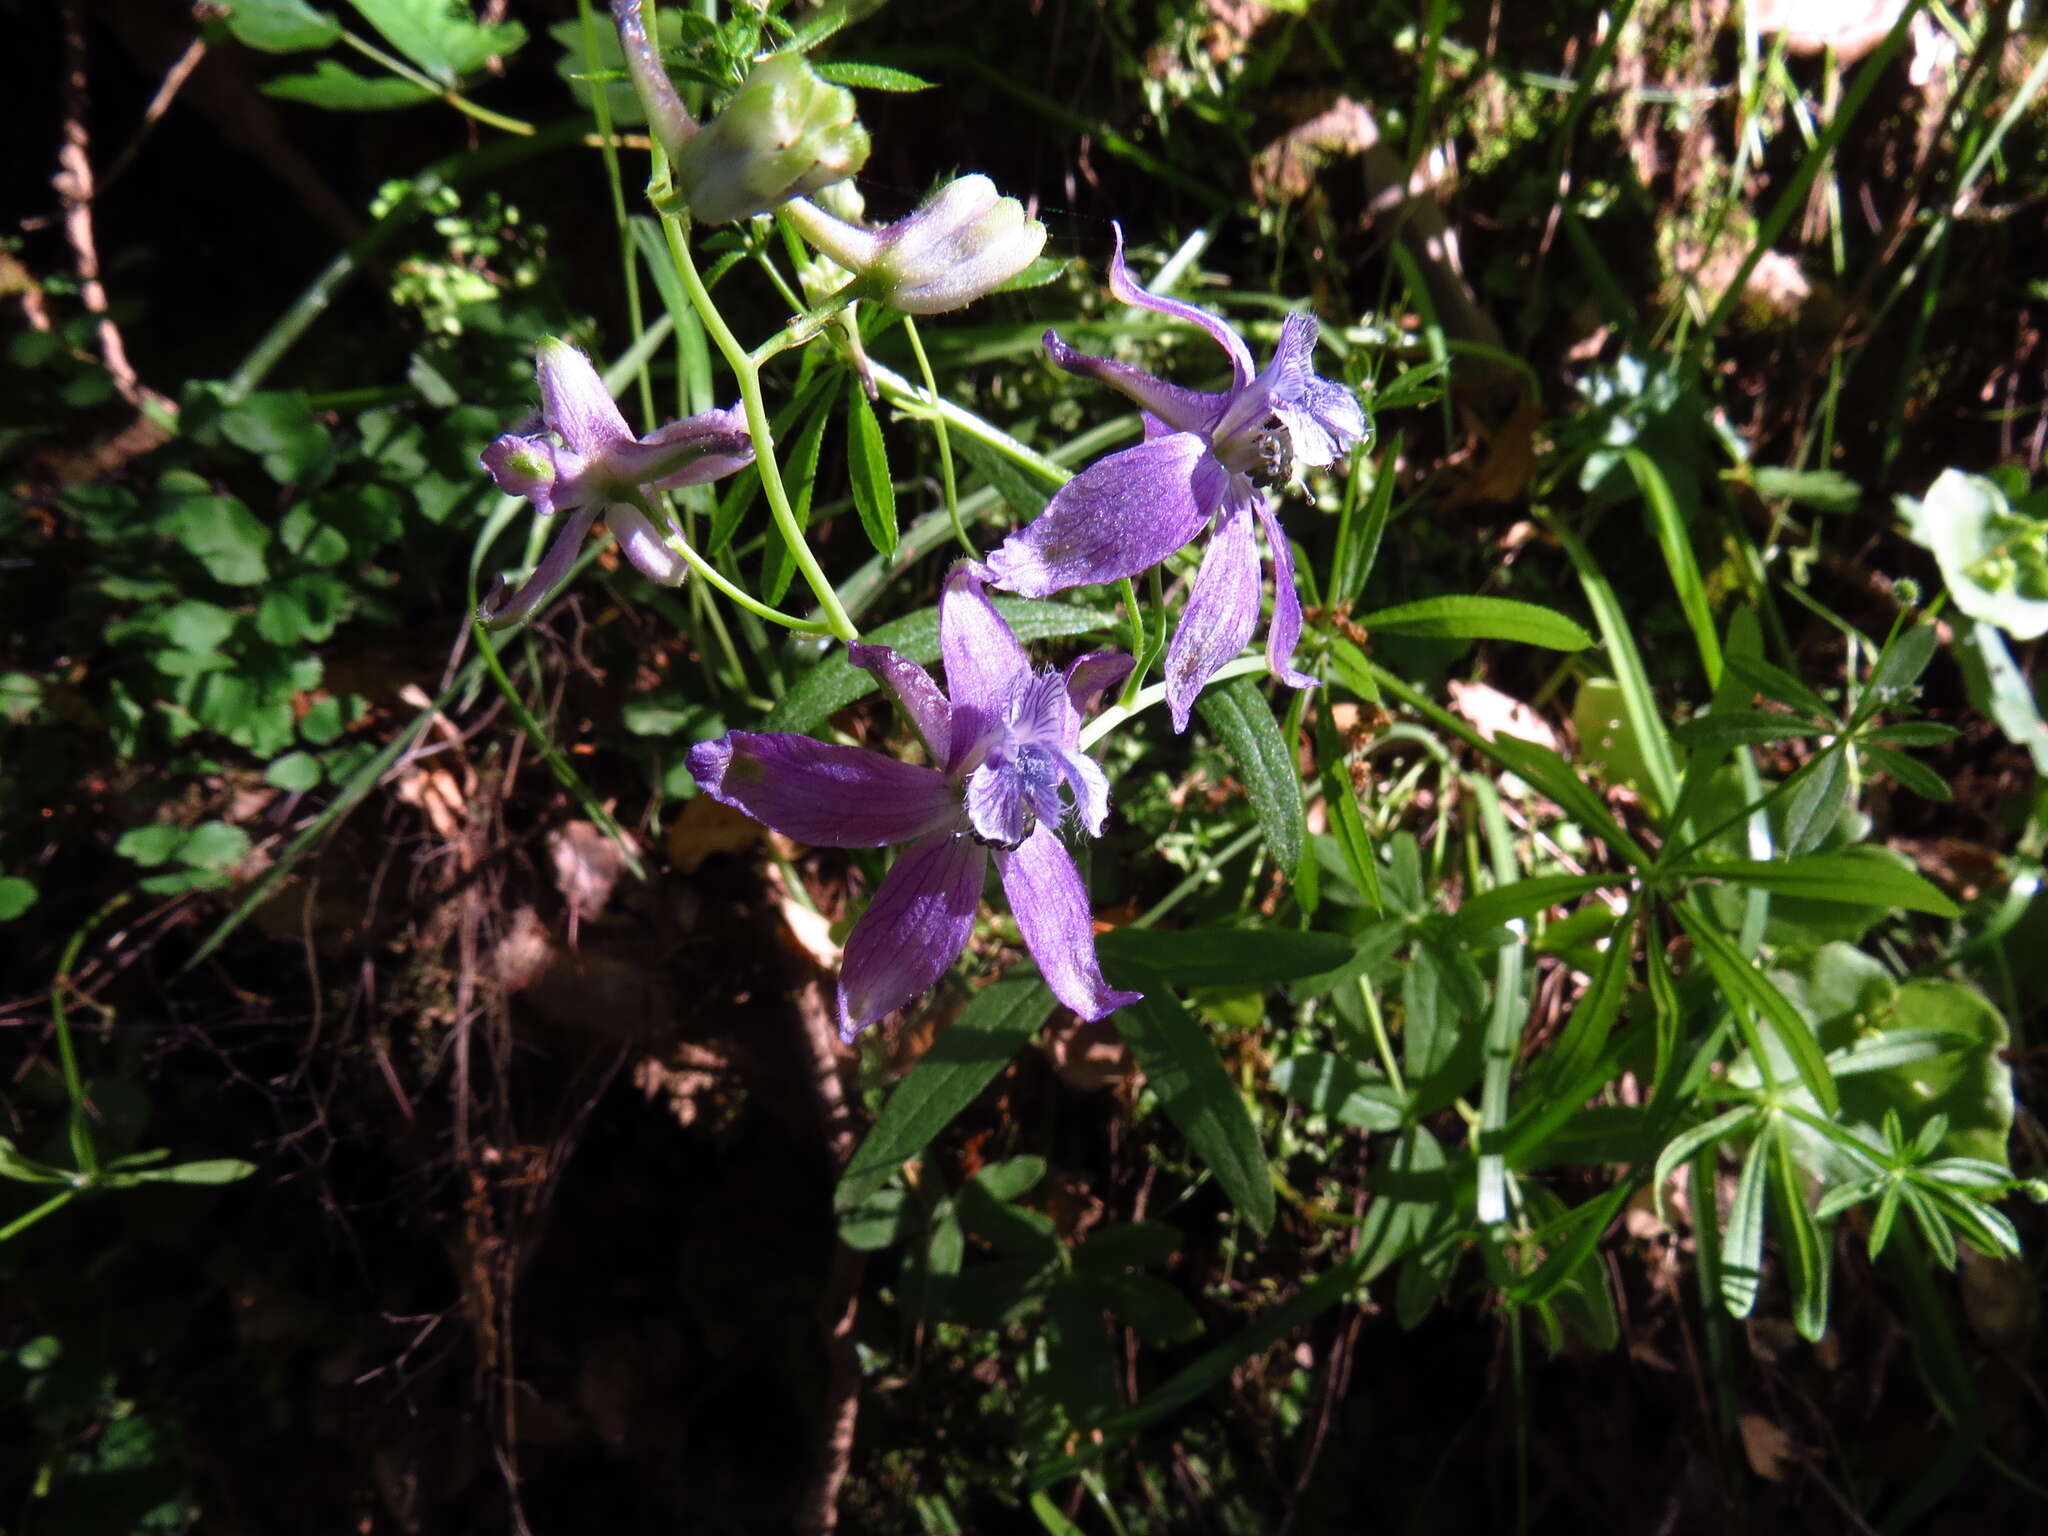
915,691
1174,409
643,544
575,402
524,466
1284,633
1051,908
1087,678
1121,284
1018,785
1323,423
694,451
499,607
1091,789
1221,614
825,795
985,666
920,919
1121,515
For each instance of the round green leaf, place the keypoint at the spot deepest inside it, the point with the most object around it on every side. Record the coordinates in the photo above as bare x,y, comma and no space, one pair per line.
16,897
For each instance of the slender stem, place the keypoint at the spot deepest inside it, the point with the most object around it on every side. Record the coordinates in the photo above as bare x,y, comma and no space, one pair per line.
952,488
1201,872
1116,714
83,1149
454,98
29,1218
1381,1040
902,392
717,578
601,106
764,439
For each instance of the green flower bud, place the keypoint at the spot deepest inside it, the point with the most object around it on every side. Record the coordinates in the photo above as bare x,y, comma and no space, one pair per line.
786,133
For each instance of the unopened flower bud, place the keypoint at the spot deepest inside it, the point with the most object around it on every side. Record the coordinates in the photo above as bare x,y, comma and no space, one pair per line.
786,133
964,241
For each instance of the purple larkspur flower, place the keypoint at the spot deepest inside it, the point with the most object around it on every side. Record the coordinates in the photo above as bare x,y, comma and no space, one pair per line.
1204,456
1003,741
588,462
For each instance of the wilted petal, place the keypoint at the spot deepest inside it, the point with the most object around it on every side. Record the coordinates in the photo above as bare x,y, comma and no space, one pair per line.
1168,406
985,665
575,402
1122,285
920,919
1284,633
1122,515
825,795
644,546
915,691
500,607
1221,614
1051,907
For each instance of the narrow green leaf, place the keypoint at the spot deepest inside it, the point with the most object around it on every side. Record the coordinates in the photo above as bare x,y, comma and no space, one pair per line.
1480,618
281,26
1549,774
1909,772
1360,529
1743,981
1237,713
219,1170
1182,1066
1868,877
1223,957
1774,682
1825,490
1347,822
1675,540
1684,1145
1742,1243
1585,1033
778,563
965,1059
1820,793
1522,898
871,77
1638,701
1799,1240
1741,728
867,462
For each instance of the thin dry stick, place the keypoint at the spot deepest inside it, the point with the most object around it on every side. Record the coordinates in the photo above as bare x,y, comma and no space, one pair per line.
74,185
839,1307
173,82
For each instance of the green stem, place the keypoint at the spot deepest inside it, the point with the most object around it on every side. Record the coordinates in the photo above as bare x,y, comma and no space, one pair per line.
1116,714
900,391
83,1149
1381,1040
717,578
454,98
952,488
601,106
749,378
28,1219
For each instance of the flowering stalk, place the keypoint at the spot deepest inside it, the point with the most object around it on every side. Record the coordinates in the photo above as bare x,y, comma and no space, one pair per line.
756,410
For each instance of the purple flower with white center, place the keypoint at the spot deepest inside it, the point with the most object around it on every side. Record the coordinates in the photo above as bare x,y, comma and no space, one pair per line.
599,468
1002,740
1204,456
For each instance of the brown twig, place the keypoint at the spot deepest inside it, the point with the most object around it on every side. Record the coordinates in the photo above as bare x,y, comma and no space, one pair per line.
167,92
839,1306
74,186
